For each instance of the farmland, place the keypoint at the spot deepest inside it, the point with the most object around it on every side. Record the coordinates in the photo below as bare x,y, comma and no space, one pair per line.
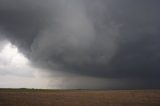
32,97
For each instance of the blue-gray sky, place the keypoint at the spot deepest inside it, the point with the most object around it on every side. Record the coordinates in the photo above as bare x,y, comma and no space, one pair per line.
107,44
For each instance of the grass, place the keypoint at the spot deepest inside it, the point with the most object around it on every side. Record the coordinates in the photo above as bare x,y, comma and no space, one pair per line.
45,97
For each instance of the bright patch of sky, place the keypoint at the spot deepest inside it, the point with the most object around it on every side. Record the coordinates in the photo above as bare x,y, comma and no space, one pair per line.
16,71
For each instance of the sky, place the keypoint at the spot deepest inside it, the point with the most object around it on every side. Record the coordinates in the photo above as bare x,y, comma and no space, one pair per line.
80,44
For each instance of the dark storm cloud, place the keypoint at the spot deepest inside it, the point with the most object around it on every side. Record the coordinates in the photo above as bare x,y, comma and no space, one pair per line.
21,20
115,39
138,57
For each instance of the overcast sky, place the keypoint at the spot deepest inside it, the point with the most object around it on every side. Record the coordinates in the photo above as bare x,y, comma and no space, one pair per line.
81,44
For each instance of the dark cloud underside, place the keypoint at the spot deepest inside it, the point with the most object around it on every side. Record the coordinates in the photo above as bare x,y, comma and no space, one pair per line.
110,39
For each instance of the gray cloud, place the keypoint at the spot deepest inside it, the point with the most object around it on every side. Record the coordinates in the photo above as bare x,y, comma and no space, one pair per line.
107,39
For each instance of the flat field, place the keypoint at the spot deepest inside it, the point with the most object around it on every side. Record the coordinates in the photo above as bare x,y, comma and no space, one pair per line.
32,97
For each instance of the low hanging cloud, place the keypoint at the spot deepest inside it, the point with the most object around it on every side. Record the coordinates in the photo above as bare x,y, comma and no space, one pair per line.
108,39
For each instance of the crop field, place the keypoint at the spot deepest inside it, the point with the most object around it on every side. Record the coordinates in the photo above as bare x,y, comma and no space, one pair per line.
32,97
